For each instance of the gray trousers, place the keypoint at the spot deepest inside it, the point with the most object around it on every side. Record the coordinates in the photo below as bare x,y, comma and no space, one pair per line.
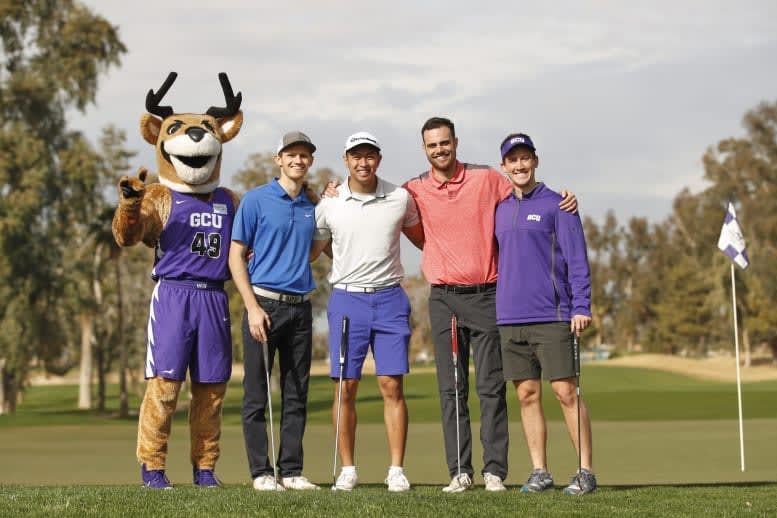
478,335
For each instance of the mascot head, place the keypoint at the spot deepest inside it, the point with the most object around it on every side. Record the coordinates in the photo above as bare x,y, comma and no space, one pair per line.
188,145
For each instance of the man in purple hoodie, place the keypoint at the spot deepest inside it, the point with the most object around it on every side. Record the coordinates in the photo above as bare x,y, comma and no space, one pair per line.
543,296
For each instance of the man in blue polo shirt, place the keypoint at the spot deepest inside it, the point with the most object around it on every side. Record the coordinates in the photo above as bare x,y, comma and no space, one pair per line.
276,222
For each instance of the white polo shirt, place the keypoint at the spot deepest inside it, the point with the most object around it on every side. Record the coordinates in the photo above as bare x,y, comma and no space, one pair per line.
364,229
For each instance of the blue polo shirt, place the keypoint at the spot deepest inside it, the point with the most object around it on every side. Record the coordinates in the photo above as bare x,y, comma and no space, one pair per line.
279,230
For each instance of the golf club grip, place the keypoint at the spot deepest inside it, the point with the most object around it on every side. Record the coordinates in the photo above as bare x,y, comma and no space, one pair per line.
266,355
576,353
343,340
455,337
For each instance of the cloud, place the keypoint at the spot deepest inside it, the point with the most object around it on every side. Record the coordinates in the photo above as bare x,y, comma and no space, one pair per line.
622,98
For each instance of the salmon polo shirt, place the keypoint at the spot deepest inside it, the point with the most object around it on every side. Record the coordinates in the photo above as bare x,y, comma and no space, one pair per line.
458,220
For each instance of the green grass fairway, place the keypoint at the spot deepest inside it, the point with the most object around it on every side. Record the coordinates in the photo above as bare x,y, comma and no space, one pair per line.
664,445
611,393
625,453
666,502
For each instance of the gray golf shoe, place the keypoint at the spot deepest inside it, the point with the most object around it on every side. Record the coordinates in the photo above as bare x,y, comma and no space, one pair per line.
582,483
538,481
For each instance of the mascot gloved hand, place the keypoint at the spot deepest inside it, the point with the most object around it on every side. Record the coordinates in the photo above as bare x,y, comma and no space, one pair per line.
187,218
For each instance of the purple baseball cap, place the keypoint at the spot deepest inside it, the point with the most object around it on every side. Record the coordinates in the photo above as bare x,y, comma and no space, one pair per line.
515,140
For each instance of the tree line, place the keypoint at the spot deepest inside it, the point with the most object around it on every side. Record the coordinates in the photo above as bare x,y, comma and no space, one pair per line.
665,287
69,297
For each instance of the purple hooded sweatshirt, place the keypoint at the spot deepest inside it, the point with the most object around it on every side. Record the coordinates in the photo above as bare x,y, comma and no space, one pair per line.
543,264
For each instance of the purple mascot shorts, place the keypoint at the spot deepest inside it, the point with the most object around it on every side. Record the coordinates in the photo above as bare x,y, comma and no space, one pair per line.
189,327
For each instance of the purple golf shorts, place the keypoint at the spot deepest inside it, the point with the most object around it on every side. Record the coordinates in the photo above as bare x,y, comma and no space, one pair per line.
380,320
189,327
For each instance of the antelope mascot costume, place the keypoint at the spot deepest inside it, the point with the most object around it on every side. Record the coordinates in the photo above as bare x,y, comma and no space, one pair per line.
187,218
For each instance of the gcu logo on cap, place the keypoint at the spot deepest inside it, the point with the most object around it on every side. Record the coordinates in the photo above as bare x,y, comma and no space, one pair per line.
517,140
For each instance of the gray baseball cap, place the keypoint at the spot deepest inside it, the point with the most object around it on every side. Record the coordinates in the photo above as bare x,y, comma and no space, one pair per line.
295,137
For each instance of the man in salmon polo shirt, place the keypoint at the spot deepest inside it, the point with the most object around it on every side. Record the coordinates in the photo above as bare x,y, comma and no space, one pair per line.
457,202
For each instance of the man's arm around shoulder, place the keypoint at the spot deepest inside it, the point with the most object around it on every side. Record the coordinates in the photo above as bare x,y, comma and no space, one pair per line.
318,246
415,233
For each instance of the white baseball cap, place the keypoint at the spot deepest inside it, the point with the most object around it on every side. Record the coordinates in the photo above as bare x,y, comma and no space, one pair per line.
362,137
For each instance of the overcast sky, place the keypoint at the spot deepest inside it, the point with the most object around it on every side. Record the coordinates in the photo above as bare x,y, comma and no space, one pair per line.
621,100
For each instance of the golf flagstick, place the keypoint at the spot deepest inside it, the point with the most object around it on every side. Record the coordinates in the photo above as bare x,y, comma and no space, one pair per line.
343,349
576,356
266,354
739,376
455,351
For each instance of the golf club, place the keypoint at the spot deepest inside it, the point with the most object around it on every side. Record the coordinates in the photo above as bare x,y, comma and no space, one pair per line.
455,349
266,354
576,356
343,348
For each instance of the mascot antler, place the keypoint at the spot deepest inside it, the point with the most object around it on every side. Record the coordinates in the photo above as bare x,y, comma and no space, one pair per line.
152,99
232,101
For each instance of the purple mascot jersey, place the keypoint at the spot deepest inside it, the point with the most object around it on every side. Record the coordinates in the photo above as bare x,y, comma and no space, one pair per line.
188,324
196,239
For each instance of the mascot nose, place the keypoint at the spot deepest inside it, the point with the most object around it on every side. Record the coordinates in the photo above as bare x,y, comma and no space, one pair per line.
195,133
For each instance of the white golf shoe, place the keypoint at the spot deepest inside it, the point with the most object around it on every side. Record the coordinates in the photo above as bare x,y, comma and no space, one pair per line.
458,484
267,483
299,483
346,481
493,482
397,482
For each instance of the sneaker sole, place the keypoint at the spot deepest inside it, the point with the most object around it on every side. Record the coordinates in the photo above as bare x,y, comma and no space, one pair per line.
308,488
451,491
279,488
578,493
400,490
525,489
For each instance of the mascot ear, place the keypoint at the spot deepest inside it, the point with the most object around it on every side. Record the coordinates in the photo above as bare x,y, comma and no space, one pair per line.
230,126
149,128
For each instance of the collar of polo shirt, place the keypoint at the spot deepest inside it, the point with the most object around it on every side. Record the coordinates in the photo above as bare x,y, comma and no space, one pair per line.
380,191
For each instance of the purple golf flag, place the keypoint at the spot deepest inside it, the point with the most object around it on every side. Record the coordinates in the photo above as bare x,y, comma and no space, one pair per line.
731,241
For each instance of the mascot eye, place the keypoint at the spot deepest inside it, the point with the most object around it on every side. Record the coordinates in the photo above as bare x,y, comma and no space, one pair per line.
209,126
174,127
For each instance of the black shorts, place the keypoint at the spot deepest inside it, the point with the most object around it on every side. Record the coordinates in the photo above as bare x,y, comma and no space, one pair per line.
531,351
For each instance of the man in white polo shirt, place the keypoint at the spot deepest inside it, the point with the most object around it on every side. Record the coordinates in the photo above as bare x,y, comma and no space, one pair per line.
363,224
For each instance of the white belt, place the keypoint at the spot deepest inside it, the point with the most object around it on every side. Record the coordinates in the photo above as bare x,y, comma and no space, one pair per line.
360,289
288,298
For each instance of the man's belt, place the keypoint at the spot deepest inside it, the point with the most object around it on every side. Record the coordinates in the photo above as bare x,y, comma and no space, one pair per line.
465,288
362,289
288,298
